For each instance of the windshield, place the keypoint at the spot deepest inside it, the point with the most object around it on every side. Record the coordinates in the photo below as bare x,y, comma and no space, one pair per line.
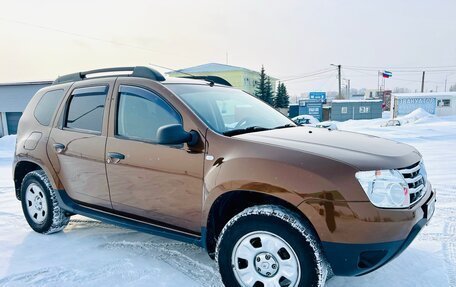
229,111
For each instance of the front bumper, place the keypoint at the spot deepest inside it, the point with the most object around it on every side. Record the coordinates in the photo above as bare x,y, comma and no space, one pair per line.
351,259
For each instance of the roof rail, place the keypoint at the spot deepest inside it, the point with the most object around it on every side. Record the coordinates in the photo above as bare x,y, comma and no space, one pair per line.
211,79
138,71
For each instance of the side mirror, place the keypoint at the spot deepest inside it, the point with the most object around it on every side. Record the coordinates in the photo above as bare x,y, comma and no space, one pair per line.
175,135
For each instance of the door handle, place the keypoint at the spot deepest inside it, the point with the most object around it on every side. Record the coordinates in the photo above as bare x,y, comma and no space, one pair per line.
59,148
114,157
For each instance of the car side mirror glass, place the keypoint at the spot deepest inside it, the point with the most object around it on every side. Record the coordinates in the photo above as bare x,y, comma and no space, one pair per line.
175,134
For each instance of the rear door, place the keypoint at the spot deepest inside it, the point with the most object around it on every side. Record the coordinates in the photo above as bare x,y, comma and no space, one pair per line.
155,182
76,145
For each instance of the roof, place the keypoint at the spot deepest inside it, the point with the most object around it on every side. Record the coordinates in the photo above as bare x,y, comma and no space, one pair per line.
213,67
26,83
427,95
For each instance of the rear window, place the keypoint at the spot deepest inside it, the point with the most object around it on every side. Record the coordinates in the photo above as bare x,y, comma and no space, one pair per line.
47,106
86,109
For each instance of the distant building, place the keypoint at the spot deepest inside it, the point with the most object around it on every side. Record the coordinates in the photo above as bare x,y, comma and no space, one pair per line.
440,104
313,107
342,110
293,110
357,97
14,97
371,94
238,77
384,95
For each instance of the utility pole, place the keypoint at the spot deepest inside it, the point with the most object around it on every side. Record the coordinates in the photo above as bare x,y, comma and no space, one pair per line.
378,81
340,81
446,80
339,68
422,82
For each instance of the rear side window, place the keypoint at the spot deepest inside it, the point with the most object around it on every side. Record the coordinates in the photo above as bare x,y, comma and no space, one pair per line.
47,106
86,109
141,113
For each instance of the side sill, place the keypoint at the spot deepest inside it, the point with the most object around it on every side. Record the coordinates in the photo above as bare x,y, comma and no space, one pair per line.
71,206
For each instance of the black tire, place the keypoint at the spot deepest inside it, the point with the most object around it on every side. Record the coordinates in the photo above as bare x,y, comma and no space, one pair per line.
278,222
54,218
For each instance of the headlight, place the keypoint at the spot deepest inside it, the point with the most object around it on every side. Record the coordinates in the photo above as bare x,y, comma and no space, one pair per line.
385,188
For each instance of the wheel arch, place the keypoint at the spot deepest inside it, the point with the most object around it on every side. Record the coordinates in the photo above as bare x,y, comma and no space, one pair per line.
227,205
22,168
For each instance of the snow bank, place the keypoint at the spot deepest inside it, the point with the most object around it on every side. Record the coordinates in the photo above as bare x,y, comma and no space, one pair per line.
386,115
417,116
7,144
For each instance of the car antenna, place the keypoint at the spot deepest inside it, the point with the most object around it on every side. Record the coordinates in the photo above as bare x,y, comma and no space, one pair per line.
211,83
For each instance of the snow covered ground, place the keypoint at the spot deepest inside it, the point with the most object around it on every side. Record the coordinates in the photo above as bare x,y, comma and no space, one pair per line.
91,253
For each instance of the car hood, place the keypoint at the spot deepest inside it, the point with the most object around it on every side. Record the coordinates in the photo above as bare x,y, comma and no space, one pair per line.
364,152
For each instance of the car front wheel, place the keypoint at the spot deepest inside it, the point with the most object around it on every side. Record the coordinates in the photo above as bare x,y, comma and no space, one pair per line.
269,246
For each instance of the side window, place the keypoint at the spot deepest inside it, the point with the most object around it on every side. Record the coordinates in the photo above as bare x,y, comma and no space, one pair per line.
140,113
86,109
343,110
47,105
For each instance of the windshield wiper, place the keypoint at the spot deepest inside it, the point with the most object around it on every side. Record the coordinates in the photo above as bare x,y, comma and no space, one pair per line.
245,130
285,126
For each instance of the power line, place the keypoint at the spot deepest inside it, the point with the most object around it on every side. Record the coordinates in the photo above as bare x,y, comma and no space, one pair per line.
323,85
314,79
311,75
401,68
80,35
316,73
396,78
415,70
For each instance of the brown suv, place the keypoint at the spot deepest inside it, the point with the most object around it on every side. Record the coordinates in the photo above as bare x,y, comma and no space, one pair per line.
204,163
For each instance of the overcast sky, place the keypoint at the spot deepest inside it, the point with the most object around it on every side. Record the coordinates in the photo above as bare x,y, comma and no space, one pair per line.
40,40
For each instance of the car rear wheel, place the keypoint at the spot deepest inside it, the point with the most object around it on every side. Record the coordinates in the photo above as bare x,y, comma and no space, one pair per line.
269,246
40,205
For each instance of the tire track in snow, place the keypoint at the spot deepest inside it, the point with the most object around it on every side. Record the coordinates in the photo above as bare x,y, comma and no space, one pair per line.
81,223
175,255
4,189
74,275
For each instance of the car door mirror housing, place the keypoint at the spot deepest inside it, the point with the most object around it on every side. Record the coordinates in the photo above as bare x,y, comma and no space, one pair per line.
175,134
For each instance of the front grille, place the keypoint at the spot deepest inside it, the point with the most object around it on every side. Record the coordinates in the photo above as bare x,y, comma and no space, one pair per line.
416,180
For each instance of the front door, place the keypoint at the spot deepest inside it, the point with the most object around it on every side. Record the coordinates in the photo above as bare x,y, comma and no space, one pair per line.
77,144
156,182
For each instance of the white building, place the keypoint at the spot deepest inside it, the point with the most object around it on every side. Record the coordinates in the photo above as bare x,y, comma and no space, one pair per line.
14,97
440,104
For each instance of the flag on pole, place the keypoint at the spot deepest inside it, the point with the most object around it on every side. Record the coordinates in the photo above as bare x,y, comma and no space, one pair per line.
387,74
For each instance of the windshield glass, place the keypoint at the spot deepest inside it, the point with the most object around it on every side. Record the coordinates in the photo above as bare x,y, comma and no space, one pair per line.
229,111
